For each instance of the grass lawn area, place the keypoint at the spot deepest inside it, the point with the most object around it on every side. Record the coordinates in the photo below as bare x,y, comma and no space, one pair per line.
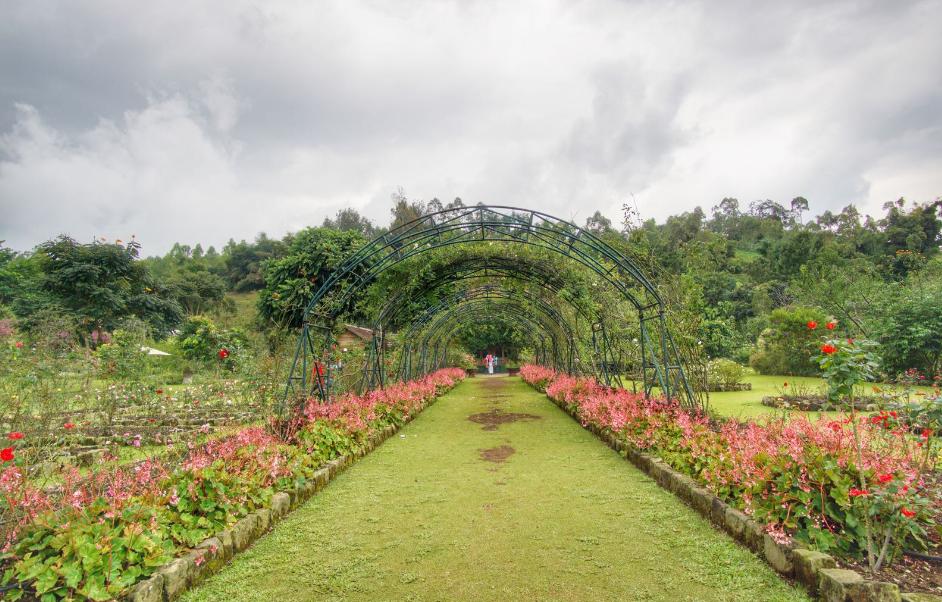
748,404
462,509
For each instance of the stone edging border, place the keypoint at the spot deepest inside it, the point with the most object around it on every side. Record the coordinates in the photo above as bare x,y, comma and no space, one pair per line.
816,571
171,580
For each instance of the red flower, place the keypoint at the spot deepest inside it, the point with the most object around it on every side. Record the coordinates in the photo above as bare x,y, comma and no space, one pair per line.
886,478
926,433
15,436
830,325
850,341
159,391
828,349
6,454
223,353
812,324
68,426
907,513
19,344
854,492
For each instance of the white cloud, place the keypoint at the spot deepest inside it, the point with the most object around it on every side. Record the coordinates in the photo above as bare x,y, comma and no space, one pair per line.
201,123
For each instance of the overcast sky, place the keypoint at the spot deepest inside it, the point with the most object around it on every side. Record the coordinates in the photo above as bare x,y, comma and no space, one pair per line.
197,122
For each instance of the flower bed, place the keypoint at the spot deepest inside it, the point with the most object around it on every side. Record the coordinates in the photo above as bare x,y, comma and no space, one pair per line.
797,477
100,533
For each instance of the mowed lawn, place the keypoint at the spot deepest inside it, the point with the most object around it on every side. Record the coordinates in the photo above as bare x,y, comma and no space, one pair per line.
493,493
748,404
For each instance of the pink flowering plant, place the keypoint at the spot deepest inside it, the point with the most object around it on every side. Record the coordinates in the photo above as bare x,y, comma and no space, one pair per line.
101,531
801,478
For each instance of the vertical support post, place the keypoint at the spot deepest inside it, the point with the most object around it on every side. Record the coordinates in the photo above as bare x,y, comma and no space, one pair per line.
665,357
644,356
382,357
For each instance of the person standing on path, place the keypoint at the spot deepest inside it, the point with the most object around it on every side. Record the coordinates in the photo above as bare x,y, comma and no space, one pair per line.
489,360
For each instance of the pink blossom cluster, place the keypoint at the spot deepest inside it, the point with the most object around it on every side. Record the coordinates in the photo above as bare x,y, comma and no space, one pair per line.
536,375
356,412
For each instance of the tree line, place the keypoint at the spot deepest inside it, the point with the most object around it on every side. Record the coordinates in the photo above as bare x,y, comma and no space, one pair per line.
752,277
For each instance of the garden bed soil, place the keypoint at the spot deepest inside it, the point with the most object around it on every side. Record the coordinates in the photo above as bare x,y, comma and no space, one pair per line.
915,574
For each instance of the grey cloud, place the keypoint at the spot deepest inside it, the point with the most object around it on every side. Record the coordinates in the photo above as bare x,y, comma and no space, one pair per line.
224,118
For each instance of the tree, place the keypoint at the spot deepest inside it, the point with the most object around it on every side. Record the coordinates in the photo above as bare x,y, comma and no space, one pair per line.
350,220
291,281
799,205
598,223
909,324
918,231
197,290
404,210
243,261
101,284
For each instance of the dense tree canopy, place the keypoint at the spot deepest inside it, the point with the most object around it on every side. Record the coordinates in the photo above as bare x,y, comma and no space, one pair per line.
738,279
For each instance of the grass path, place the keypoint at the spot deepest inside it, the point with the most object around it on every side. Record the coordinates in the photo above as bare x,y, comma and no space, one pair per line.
552,515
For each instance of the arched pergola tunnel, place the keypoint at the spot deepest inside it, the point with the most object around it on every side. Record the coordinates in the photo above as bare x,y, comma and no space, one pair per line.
438,324
471,287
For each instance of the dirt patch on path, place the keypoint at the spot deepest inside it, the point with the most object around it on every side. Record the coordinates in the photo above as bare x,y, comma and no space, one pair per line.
491,420
497,454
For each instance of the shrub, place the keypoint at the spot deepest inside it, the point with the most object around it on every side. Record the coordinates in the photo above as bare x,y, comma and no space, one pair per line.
726,373
787,346
201,340
122,357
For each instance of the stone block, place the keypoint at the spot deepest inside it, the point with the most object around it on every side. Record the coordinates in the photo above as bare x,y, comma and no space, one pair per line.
735,523
834,584
754,536
807,565
228,543
177,576
214,555
647,462
920,598
718,511
280,504
777,555
840,585
245,531
306,491
321,477
264,520
149,590
702,500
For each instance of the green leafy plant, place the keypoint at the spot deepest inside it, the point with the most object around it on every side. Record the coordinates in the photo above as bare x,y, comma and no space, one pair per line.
96,557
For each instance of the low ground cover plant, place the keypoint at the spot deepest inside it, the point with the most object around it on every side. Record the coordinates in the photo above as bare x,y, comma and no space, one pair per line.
98,533
854,486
